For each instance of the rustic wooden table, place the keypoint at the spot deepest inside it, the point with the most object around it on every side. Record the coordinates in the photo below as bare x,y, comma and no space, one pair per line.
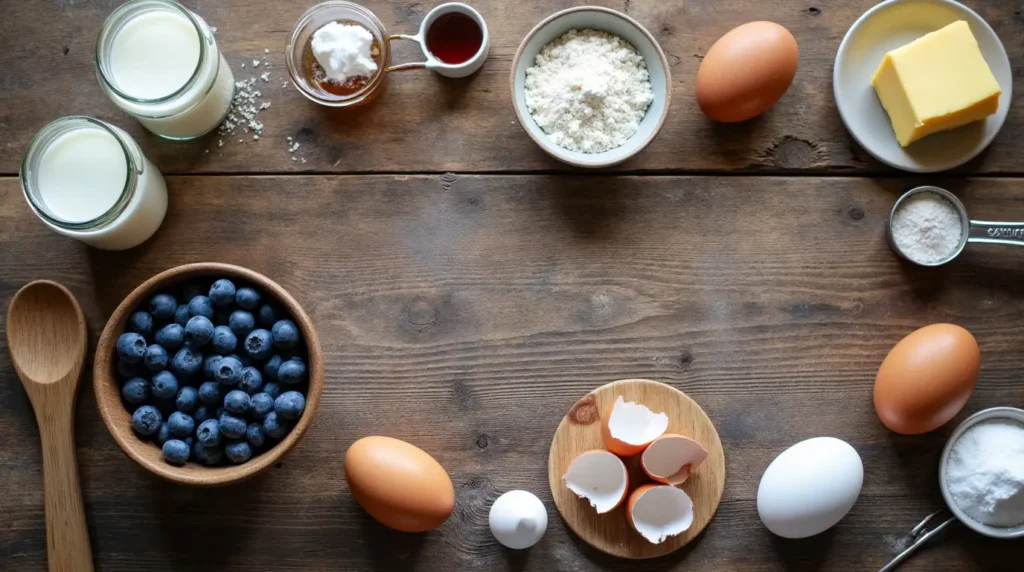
468,289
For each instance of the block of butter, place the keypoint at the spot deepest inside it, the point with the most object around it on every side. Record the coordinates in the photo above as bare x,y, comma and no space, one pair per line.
938,82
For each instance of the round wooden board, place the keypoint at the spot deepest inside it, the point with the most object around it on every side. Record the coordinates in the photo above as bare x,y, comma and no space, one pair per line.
580,431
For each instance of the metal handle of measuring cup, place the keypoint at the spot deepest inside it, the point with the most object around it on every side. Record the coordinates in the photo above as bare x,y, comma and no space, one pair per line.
920,534
988,232
410,65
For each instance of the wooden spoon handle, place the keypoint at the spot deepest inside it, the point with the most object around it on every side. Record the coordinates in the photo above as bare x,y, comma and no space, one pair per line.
67,536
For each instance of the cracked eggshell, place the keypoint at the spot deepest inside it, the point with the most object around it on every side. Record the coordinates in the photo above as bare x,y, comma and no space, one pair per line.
671,458
600,477
657,512
630,427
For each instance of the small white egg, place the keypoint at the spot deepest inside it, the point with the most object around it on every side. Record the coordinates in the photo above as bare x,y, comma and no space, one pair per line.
518,519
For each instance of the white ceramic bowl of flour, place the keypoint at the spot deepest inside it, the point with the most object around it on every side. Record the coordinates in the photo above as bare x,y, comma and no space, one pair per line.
618,24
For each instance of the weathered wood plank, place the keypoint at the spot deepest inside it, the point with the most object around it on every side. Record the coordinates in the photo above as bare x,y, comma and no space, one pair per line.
466,315
428,124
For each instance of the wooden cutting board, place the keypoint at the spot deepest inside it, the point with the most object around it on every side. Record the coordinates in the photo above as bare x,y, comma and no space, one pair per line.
580,431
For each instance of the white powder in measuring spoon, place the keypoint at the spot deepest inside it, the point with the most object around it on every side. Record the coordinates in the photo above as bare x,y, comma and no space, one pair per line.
985,472
927,228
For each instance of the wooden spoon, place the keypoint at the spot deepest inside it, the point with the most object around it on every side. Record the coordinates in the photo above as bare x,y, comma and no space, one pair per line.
46,336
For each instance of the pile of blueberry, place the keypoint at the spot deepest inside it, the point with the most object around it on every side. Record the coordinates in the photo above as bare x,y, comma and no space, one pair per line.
213,373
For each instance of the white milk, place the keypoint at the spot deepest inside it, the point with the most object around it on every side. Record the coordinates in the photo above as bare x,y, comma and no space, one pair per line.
83,183
160,62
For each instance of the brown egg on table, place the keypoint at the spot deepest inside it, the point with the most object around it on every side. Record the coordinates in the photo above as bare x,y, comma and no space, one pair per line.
399,484
927,378
746,71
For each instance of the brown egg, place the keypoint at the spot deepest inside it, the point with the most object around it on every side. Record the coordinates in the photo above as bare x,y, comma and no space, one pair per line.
926,378
746,71
399,484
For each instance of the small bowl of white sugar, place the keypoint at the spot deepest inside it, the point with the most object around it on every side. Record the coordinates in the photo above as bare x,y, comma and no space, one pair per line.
928,226
981,472
590,86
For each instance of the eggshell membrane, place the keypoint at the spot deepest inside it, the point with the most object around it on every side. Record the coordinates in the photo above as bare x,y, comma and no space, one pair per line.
671,458
630,427
600,477
399,484
927,378
746,71
657,512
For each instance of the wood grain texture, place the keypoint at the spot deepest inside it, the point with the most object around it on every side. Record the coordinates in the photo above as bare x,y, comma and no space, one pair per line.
466,314
426,123
46,336
580,431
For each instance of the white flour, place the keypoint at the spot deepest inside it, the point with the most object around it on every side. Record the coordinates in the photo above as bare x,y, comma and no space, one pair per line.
588,90
985,473
927,228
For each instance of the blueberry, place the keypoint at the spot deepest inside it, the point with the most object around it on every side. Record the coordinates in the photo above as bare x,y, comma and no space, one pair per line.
146,420
259,405
207,455
209,392
246,361
155,358
237,402
165,385
198,332
285,334
181,424
254,435
238,451
289,405
187,363
271,366
224,340
208,433
247,298
201,306
272,388
267,315
228,371
274,426
162,307
251,381
171,336
163,434
141,323
292,372
258,344
210,364
241,323
175,452
187,400
222,292
131,347
202,413
128,370
181,315
135,391
231,427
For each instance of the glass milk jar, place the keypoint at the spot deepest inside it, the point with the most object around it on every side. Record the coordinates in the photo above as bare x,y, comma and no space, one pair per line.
89,180
159,61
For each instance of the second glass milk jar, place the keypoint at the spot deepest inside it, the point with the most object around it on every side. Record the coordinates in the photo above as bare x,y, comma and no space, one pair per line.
159,61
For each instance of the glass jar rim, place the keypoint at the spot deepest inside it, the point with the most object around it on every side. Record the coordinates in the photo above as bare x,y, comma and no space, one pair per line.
39,144
105,30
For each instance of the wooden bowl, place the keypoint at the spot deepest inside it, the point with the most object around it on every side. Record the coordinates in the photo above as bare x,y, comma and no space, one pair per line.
118,419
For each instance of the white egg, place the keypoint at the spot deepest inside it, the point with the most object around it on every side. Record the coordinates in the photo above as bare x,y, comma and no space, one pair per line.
809,487
518,519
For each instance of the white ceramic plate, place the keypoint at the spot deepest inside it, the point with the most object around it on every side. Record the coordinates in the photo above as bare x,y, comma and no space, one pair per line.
890,25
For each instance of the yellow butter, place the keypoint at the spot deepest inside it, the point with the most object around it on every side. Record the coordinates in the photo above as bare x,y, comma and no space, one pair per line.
938,82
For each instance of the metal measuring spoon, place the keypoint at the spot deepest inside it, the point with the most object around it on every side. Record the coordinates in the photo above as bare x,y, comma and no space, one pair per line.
971,231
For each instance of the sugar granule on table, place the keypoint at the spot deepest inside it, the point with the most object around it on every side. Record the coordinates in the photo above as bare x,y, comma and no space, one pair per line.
985,472
927,228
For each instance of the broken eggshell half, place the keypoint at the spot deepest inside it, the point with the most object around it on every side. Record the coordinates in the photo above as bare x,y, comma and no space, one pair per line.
659,511
600,477
630,427
671,458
